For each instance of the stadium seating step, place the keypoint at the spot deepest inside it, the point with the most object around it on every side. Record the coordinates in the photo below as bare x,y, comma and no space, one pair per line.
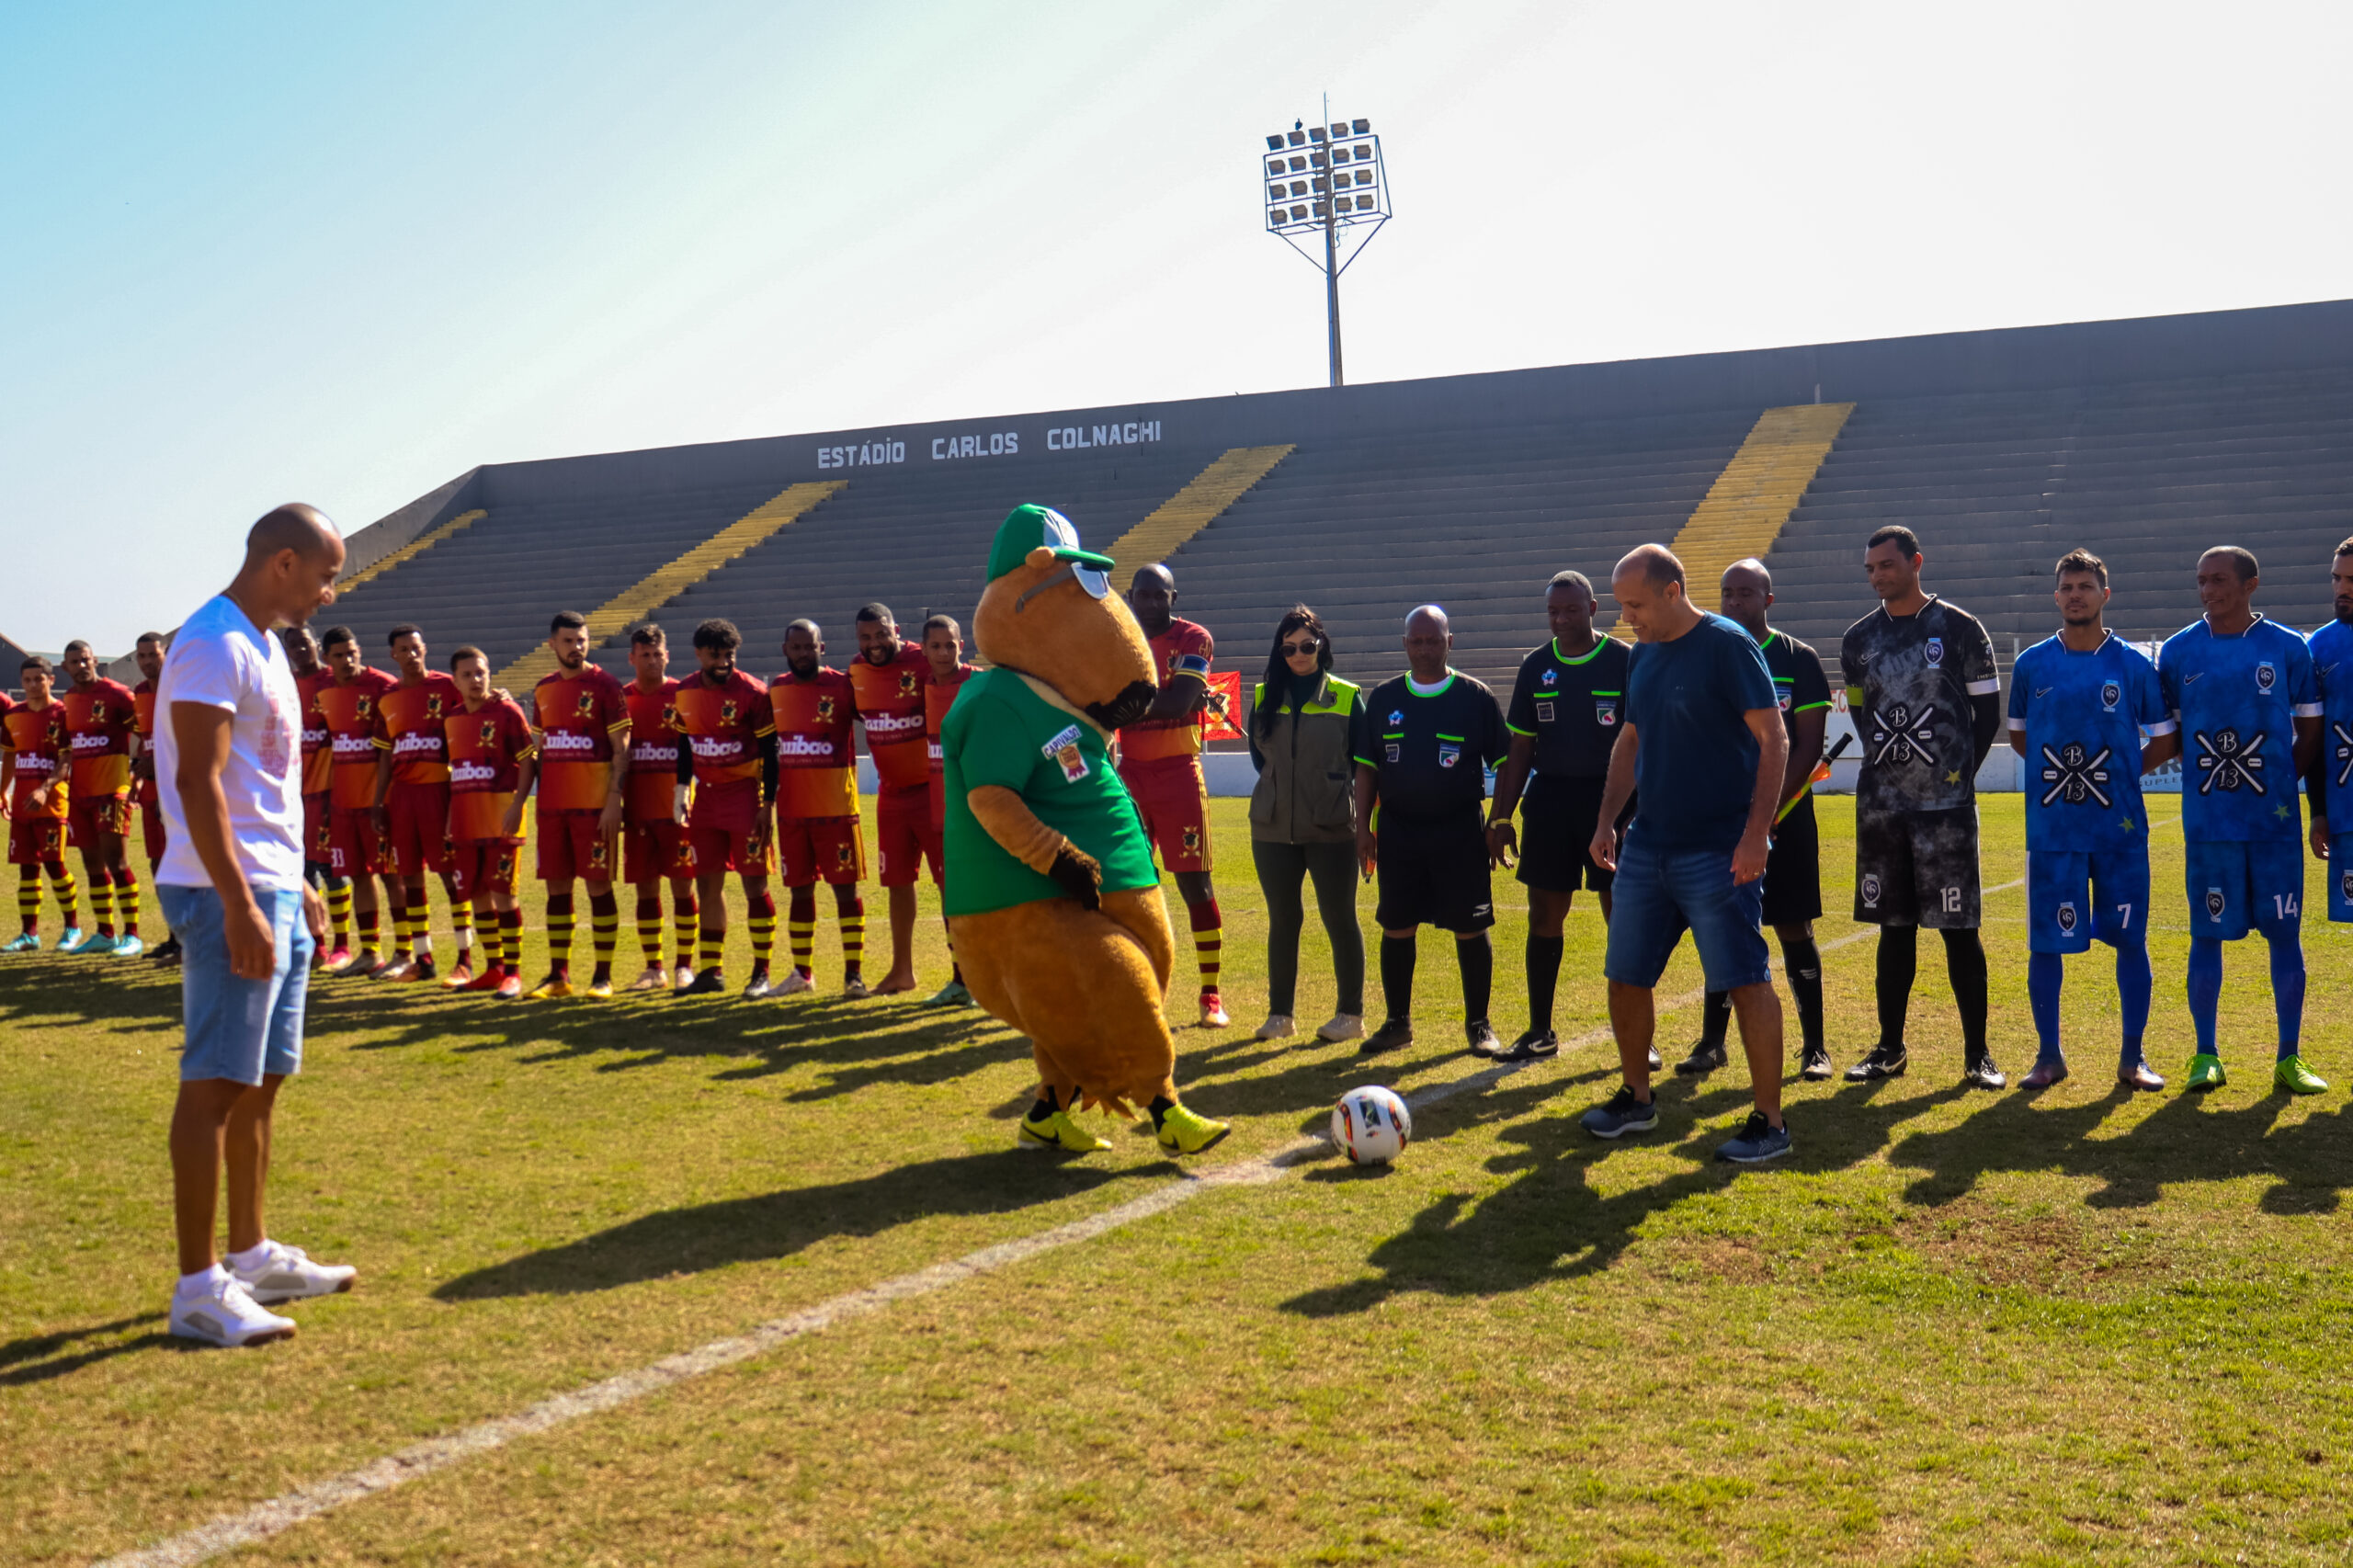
410,551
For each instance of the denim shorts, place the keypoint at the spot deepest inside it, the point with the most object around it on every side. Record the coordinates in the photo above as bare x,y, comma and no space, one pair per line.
239,1030
1661,894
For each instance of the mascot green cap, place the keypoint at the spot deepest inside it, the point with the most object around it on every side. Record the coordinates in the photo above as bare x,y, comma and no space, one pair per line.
1026,528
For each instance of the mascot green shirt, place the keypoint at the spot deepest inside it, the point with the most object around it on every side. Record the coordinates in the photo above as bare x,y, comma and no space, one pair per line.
1008,728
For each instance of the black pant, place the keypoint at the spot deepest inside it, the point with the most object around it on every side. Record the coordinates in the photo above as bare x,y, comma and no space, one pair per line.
1281,868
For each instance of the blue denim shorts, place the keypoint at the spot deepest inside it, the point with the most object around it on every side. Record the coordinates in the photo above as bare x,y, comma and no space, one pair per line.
1661,894
239,1030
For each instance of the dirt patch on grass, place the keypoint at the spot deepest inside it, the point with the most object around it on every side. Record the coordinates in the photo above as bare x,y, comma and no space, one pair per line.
2065,1254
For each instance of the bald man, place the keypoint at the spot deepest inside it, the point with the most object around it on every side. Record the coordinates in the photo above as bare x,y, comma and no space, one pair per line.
1423,743
229,747
1160,762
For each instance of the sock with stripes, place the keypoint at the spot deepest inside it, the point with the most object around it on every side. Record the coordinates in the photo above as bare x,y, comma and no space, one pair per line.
605,927
1801,963
61,883
420,924
559,933
487,918
28,900
649,926
339,910
852,910
762,910
461,929
364,921
126,904
1544,977
712,941
1209,940
403,930
801,925
102,902
684,920
1475,957
510,939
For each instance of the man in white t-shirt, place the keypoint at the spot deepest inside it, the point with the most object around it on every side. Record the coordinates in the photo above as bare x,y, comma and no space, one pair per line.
228,771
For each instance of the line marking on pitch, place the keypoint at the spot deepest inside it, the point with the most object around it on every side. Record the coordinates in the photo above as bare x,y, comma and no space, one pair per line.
265,1521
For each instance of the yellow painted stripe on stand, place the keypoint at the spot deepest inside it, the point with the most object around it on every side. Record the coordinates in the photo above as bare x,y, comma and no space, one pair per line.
410,551
1196,506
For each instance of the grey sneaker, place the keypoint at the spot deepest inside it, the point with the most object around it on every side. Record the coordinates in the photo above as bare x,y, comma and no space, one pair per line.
1278,1026
228,1317
1342,1026
1758,1141
288,1275
1621,1115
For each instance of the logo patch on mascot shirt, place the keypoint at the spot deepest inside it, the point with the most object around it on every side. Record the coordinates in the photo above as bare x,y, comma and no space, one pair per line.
1063,749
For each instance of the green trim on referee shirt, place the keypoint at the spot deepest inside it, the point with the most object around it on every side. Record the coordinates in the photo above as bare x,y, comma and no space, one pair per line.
1585,657
1439,690
1515,730
1456,739
1808,706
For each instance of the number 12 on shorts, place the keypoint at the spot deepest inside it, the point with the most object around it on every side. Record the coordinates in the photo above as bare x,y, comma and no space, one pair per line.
1952,900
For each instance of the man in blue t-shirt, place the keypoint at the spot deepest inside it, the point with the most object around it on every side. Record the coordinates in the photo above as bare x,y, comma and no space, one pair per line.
1703,740
2328,781
2243,688
2079,704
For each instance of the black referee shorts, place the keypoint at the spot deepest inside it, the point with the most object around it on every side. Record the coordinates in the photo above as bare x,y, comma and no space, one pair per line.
1793,870
1434,872
1556,824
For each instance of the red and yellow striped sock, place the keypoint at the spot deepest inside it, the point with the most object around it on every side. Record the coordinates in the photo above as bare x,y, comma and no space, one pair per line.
1209,940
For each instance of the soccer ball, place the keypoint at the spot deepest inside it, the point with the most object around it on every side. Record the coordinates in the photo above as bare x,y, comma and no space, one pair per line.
1371,1126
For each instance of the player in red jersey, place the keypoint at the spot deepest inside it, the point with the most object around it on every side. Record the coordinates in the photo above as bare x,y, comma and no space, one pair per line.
727,773
149,652
100,720
943,652
36,788
886,684
412,809
582,722
658,848
816,805
343,706
318,781
491,760
1160,762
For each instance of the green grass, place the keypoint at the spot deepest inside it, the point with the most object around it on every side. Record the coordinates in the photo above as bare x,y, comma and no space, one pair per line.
1952,1328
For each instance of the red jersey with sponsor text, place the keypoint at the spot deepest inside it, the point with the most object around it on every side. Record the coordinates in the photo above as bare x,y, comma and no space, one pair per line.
577,716
938,696
143,723
100,719
721,725
1184,650
409,724
318,757
816,765
36,737
487,747
890,704
348,712
653,751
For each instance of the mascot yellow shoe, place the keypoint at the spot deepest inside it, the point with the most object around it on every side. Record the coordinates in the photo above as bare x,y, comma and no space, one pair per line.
1053,901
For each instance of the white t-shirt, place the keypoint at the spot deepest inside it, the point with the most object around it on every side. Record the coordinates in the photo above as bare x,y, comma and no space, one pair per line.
220,659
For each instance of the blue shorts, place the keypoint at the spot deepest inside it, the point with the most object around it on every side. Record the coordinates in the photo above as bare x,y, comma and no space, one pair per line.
1659,894
239,1030
2075,897
2235,887
2340,876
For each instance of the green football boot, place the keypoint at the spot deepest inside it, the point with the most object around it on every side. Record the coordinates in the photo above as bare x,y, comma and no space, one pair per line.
1184,1132
2205,1071
1058,1131
2292,1076
951,994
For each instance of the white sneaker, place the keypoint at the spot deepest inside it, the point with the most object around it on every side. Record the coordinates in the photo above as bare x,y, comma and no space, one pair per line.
287,1274
793,984
1213,1011
683,978
227,1316
1276,1026
1343,1026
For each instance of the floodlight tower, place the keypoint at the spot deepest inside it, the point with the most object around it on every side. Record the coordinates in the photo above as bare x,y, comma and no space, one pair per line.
1330,179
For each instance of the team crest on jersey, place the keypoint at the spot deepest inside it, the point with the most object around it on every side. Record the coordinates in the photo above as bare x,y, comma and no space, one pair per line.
906,683
1936,652
2266,678
2075,775
1192,840
2215,903
433,706
824,711
489,733
2226,763
1900,736
727,712
1871,890
2111,694
1063,750
2344,752
2067,916
1605,710
364,707
587,707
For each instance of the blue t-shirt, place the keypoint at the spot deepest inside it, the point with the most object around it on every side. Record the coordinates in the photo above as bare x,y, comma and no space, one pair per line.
2332,650
1696,768
2082,715
2238,699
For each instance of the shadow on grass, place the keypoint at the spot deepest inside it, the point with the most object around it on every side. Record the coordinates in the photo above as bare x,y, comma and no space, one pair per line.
42,1357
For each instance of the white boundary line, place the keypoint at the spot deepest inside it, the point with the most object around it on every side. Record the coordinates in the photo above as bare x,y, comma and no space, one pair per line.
264,1520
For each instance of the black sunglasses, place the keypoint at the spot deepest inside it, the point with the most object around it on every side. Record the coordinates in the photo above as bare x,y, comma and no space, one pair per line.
1297,650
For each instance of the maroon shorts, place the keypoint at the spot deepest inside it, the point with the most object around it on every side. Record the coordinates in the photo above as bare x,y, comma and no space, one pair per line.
482,865
354,848
571,846
810,850
316,846
36,840
657,850
904,836
151,830
1174,803
417,837
96,816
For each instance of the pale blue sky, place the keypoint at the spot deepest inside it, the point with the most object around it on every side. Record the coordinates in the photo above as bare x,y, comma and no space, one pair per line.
259,253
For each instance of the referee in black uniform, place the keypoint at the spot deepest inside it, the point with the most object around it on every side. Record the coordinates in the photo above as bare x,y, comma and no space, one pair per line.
1563,719
1794,868
1424,742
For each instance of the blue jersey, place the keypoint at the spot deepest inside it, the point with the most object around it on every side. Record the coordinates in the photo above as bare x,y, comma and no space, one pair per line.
2237,698
2082,715
2332,648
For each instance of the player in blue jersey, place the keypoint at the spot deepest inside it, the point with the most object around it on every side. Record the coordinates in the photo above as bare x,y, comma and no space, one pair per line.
2243,688
2329,783
2079,704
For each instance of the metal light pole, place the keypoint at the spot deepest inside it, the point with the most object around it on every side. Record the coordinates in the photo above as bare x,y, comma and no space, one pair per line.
1330,177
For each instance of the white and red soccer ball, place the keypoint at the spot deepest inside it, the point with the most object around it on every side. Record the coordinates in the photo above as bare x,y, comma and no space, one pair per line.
1371,1126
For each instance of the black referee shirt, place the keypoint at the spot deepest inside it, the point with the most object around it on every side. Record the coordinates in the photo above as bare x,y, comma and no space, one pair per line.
1797,680
1572,708
1431,751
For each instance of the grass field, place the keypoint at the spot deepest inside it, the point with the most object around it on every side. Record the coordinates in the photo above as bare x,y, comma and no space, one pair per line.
1952,1328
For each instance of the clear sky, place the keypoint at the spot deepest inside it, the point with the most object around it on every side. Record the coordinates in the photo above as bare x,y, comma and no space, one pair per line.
340,254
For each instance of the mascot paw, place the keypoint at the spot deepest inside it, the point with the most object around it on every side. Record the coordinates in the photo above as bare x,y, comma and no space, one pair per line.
1078,874
1058,1131
1186,1132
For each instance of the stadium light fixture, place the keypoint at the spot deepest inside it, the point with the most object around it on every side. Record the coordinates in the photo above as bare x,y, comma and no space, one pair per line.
1346,206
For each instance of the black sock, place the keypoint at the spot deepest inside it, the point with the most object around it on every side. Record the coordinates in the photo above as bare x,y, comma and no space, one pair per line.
1802,960
1544,977
1161,1106
1899,956
1397,977
1716,1018
1965,964
1045,1106
1476,958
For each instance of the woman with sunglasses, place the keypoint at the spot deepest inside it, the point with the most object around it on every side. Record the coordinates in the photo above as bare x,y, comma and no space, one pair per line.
1302,819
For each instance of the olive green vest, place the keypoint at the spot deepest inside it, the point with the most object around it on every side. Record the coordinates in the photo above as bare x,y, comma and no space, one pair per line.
1303,790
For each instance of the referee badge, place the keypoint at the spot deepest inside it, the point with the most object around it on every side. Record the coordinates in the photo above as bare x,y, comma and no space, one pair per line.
2067,918
1871,890
1543,712
1449,755
1393,750
1605,710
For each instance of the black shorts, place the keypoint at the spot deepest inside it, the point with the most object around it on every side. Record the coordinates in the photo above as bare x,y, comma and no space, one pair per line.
1556,823
1434,873
1793,870
1916,869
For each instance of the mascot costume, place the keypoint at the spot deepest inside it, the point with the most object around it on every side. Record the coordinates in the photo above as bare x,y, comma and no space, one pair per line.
1053,901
